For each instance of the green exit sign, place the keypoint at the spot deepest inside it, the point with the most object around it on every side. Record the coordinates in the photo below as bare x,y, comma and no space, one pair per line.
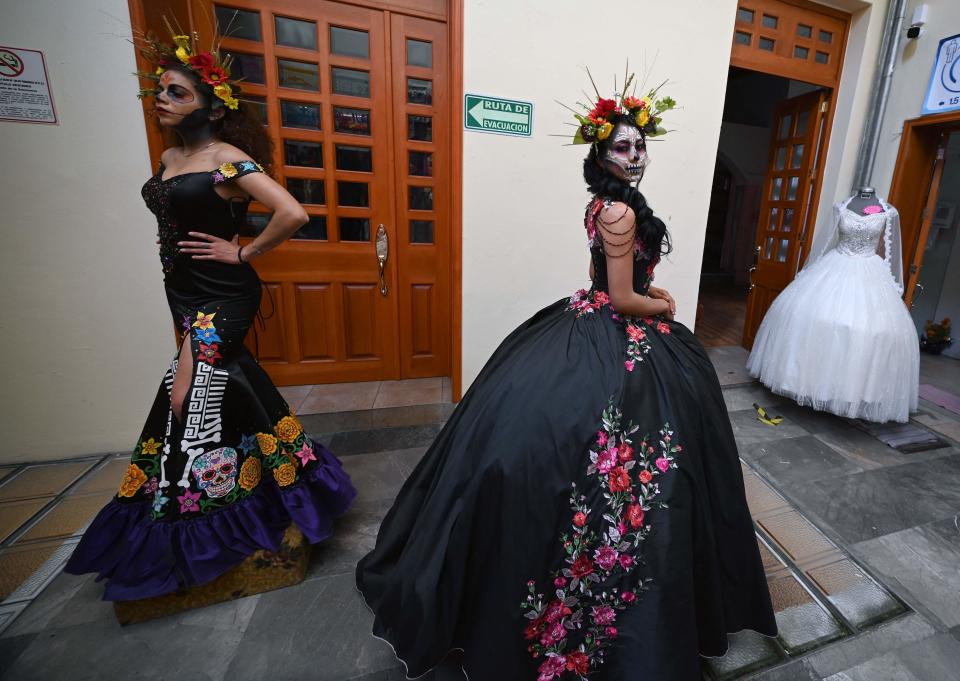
501,116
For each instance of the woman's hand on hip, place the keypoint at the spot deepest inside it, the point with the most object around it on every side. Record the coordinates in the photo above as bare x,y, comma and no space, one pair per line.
212,248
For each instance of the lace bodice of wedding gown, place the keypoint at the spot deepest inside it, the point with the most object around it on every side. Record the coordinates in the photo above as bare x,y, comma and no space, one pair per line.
860,234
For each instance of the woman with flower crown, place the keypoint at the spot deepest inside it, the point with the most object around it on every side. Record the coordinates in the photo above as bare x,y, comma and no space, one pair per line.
582,514
222,467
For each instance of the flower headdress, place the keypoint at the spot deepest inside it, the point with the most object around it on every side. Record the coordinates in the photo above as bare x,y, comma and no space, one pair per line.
647,111
209,66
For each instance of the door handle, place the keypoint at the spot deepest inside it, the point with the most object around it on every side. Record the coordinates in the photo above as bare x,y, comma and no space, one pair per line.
383,252
753,268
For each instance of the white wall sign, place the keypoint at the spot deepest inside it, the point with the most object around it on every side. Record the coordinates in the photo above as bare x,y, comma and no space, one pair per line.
943,93
24,89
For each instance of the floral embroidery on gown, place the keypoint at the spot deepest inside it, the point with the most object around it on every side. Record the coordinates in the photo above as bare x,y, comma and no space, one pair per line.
582,513
203,492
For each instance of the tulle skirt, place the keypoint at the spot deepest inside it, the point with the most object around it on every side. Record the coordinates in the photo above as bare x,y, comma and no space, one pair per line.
840,339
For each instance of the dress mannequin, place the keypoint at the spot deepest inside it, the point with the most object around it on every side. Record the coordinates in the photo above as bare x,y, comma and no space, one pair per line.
866,197
839,337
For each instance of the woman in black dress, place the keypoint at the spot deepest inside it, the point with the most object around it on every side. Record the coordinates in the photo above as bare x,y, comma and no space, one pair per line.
222,466
582,514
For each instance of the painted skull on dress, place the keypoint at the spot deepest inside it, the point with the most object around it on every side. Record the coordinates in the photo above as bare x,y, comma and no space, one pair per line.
626,155
216,472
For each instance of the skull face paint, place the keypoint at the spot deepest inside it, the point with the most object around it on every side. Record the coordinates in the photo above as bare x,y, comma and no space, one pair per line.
216,472
626,157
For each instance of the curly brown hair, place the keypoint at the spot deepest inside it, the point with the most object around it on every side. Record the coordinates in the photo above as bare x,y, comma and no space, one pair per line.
240,127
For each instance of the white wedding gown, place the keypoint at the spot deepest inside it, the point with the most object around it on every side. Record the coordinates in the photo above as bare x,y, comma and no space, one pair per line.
839,338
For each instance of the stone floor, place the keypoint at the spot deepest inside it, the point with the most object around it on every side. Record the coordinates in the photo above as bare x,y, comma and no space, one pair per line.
844,521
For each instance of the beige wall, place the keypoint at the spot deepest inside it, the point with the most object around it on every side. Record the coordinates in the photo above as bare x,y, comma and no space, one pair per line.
523,239
84,330
910,80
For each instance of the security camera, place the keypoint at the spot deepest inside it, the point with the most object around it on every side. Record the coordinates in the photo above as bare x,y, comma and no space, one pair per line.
919,19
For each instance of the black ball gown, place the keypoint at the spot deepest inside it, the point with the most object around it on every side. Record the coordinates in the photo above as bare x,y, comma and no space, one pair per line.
202,493
582,513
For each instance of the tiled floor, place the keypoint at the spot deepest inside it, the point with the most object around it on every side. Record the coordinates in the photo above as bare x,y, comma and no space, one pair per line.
338,397
843,522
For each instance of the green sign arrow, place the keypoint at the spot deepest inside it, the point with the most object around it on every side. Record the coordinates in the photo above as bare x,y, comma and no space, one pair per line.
501,116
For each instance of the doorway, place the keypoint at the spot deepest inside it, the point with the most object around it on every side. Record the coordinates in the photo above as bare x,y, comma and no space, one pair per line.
758,206
359,103
785,63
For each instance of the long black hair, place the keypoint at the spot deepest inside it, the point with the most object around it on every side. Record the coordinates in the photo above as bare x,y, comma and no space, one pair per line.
601,182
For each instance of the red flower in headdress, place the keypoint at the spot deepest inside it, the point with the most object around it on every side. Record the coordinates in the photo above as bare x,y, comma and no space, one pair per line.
605,106
202,61
214,76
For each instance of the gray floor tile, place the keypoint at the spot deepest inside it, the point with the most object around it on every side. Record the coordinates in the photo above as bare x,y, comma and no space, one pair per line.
797,460
884,668
47,605
152,651
10,649
353,537
797,670
730,362
742,397
749,430
921,564
873,503
325,616
856,650
409,458
932,659
382,439
376,476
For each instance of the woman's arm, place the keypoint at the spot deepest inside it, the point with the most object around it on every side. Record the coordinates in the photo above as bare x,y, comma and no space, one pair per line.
288,215
617,227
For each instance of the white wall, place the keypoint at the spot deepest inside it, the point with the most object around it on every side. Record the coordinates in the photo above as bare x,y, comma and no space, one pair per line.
84,330
910,80
523,239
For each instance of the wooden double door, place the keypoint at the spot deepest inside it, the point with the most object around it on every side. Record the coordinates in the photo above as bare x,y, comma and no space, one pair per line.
356,100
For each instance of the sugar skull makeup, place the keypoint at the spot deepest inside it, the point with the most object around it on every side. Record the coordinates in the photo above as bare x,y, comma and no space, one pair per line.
626,156
175,92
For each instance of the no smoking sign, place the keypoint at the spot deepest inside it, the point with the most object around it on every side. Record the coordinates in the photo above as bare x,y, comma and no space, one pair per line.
25,95
11,65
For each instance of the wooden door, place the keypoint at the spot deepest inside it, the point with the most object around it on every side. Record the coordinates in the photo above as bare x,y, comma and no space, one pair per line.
421,102
918,249
790,192
356,100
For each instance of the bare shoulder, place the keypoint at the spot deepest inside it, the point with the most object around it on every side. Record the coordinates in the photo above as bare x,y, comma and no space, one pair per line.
168,155
227,153
617,216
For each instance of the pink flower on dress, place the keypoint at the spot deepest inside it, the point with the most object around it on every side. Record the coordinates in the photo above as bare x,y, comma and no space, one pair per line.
601,298
628,597
629,365
603,615
635,332
611,632
871,210
553,634
305,453
606,460
552,667
662,327
189,502
626,562
645,477
663,464
606,557
624,452
601,438
560,582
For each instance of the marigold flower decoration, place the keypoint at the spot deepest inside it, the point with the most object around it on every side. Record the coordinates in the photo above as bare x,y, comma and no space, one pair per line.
595,122
212,69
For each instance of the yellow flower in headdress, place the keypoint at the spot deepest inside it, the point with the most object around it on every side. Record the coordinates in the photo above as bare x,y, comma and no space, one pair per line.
225,92
603,132
160,70
642,117
231,103
183,47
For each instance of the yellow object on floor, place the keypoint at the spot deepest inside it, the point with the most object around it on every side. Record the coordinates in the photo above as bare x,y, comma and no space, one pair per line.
763,418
